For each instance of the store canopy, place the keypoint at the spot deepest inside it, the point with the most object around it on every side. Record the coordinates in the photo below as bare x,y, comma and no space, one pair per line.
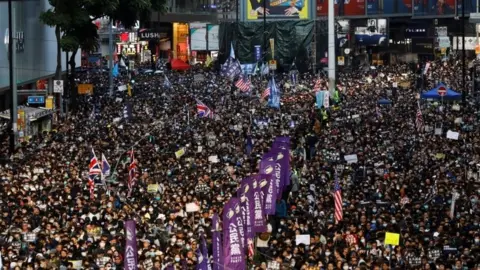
433,94
178,64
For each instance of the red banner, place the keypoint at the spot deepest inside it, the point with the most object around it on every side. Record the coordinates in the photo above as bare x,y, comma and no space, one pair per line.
345,8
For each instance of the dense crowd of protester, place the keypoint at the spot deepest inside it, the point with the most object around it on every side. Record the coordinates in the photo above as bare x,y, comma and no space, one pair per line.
401,181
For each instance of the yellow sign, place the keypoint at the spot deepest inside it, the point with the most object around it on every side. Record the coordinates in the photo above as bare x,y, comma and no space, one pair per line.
85,89
477,49
278,9
152,188
392,239
49,103
272,64
272,47
21,119
180,153
341,60
443,50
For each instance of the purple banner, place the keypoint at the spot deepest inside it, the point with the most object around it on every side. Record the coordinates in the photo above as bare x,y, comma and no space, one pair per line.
283,157
130,256
275,156
267,167
282,140
217,244
258,210
202,255
247,205
232,236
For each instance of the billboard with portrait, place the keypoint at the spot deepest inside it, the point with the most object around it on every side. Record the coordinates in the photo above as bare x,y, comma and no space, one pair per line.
374,34
389,7
278,9
342,7
434,8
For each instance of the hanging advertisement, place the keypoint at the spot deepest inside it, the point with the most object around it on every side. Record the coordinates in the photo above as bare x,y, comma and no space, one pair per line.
434,8
278,9
258,52
422,45
470,6
212,37
389,7
198,36
374,34
342,7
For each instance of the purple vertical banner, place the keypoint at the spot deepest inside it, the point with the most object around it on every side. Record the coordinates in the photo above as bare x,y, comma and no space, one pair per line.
245,193
130,256
267,167
217,244
274,155
233,253
202,255
258,210
264,180
283,157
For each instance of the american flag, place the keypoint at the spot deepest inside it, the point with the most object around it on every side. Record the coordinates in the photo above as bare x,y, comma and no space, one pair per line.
317,85
94,170
203,110
132,170
419,120
243,84
265,93
337,196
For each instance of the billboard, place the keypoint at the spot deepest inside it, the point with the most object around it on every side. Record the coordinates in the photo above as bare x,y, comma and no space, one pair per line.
212,39
278,9
422,45
198,36
470,6
389,7
342,7
374,34
434,8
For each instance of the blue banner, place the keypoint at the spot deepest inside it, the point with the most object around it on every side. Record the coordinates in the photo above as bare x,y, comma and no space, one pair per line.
258,53
434,8
389,7
470,6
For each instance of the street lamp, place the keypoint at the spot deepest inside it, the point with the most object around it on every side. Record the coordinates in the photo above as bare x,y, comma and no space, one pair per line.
9,40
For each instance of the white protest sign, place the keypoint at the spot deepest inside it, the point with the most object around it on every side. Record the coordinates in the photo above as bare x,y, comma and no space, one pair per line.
452,135
192,207
302,239
351,158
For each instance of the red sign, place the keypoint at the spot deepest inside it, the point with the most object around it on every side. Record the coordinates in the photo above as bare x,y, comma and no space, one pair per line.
442,91
346,8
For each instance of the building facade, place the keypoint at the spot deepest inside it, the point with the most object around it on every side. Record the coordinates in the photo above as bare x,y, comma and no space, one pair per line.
35,49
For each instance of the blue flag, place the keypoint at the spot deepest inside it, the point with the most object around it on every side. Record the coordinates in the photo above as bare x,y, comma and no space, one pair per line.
274,98
115,70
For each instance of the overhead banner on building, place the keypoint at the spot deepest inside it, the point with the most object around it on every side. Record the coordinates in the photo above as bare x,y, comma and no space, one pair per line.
434,8
470,6
422,45
389,7
212,37
375,33
198,36
283,9
342,7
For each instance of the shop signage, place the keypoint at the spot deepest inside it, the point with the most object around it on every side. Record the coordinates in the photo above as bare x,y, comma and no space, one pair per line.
149,34
422,45
415,32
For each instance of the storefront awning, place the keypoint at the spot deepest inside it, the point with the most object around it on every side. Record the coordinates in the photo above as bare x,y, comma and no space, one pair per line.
32,113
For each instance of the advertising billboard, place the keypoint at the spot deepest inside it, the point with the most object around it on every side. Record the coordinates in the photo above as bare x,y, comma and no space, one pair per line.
342,7
422,45
374,34
278,9
198,36
434,8
470,6
389,7
212,39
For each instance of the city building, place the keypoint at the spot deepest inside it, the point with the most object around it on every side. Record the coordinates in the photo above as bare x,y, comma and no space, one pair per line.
35,48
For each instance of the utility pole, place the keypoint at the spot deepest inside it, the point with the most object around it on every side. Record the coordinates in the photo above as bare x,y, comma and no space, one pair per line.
12,77
264,30
331,47
464,91
110,59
